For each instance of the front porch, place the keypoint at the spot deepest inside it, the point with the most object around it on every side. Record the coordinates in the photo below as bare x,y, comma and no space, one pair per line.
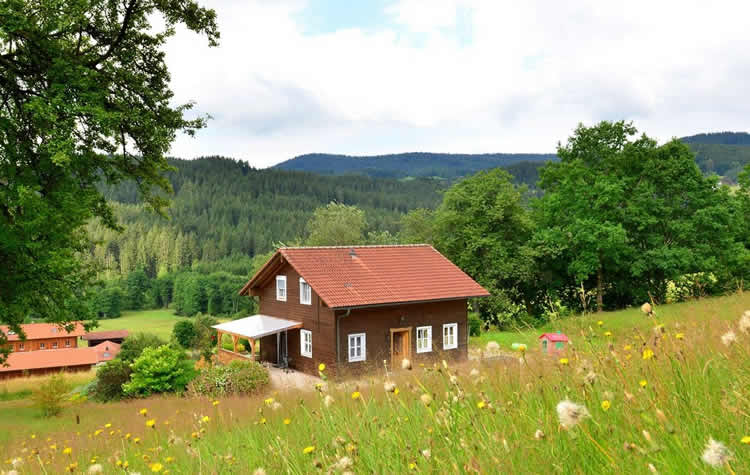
252,329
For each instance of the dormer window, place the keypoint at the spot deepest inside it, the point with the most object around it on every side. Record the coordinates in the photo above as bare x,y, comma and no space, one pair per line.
281,288
305,293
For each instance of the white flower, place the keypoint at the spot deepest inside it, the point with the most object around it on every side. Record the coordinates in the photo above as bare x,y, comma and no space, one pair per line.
728,338
493,346
454,379
275,406
405,364
344,463
474,373
259,471
716,453
745,322
426,453
426,399
389,386
570,413
96,468
539,435
16,462
328,400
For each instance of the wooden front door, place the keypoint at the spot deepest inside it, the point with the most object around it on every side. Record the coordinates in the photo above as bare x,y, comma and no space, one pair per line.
400,346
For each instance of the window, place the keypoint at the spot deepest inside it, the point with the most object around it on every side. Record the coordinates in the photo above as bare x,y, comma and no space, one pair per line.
305,293
20,347
67,343
42,346
54,344
450,336
357,347
559,345
544,345
305,343
281,288
424,339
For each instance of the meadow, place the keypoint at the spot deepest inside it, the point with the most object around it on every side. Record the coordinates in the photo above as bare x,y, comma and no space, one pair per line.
633,394
159,322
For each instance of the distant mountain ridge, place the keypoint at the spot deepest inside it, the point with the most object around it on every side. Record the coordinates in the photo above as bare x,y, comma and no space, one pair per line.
723,153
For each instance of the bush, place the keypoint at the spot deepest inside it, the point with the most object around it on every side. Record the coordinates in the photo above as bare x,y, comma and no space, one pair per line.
184,332
50,395
159,370
205,336
238,377
134,345
109,381
475,324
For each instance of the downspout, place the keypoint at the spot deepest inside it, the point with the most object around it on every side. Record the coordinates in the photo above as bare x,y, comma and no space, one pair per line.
338,339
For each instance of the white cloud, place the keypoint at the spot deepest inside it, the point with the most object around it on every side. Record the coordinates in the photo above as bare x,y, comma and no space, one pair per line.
527,74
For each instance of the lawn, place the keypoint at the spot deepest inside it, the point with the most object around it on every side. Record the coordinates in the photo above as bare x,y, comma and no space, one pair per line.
158,322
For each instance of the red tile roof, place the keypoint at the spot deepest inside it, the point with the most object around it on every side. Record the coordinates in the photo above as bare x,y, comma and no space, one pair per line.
106,350
38,331
554,336
356,276
26,360
106,335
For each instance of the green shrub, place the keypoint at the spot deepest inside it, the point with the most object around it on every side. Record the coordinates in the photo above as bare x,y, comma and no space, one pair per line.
159,370
109,381
475,324
134,345
50,396
205,335
238,377
184,332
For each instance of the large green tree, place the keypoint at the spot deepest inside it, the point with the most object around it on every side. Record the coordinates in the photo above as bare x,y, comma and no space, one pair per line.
626,215
84,98
336,224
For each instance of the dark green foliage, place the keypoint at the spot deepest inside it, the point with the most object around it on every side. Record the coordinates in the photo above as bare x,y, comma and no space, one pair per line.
109,381
205,336
85,98
136,287
719,138
236,378
165,369
107,301
134,345
184,332
475,324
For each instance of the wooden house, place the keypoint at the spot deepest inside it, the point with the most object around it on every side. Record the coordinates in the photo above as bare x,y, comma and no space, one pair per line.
354,307
553,343
43,336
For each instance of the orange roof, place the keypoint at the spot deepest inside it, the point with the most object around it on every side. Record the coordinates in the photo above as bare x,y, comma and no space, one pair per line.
356,276
25,360
38,331
106,350
105,335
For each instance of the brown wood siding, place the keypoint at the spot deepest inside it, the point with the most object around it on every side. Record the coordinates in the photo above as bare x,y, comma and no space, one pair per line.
376,323
316,317
44,371
35,345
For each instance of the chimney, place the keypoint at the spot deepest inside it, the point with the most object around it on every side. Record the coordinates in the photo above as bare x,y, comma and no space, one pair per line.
352,253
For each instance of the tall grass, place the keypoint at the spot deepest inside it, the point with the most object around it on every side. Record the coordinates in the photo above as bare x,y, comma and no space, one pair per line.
656,393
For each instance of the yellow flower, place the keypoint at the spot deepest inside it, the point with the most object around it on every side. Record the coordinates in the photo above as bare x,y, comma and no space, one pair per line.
481,404
151,422
67,451
396,391
628,347
287,421
262,420
215,403
125,464
412,466
680,336
648,354
563,361
33,436
643,383
127,436
107,425
205,419
97,432
600,323
156,467
745,440
269,401
607,333
356,395
119,463
137,440
143,412
321,367
605,405
169,459
309,449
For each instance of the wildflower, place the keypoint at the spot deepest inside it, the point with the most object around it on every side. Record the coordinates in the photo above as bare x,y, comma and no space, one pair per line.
321,367
564,361
268,401
287,421
156,467
590,378
412,466
643,383
426,453
309,449
143,412
356,395
716,454
405,364
492,346
745,440
539,435
454,379
426,399
395,392
607,333
605,405
344,463
16,462
107,425
600,323
570,413
474,373
745,322
680,336
137,440
127,436
648,354
97,432
262,420
151,423
67,451
259,471
728,338
119,463
389,386
205,419
651,468
96,468
215,403
328,400
627,347
169,459
521,347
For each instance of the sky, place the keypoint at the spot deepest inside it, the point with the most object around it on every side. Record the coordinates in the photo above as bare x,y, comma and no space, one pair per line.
365,77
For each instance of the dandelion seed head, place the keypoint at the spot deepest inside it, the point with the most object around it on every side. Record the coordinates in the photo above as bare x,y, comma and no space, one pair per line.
744,323
426,453
405,364
474,373
729,338
389,386
539,435
426,399
716,454
328,400
570,413
96,468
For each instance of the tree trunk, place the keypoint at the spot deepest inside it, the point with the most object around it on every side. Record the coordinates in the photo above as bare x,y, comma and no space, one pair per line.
600,289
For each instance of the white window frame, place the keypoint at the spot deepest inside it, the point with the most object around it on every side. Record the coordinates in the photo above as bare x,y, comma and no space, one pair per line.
21,347
54,345
420,347
279,296
42,346
454,345
363,347
67,343
302,299
305,337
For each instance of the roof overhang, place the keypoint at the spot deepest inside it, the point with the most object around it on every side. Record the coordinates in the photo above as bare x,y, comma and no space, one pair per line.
257,326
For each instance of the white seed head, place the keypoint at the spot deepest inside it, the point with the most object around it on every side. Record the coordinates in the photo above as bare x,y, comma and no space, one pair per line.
96,468
259,471
493,346
716,454
389,386
539,435
426,453
474,373
570,413
728,338
405,364
745,322
328,400
426,399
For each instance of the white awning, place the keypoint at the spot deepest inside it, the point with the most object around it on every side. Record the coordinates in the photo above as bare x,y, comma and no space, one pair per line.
257,326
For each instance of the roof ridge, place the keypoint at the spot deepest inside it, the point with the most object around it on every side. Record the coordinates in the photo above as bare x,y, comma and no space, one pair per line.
358,246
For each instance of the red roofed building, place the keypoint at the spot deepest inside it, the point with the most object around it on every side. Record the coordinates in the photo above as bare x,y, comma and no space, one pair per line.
354,307
553,342
115,336
29,363
43,336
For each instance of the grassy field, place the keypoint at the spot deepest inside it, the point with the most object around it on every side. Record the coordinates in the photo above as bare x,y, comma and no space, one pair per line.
651,396
158,322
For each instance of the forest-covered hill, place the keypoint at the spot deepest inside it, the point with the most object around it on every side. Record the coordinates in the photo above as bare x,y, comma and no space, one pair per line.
723,153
